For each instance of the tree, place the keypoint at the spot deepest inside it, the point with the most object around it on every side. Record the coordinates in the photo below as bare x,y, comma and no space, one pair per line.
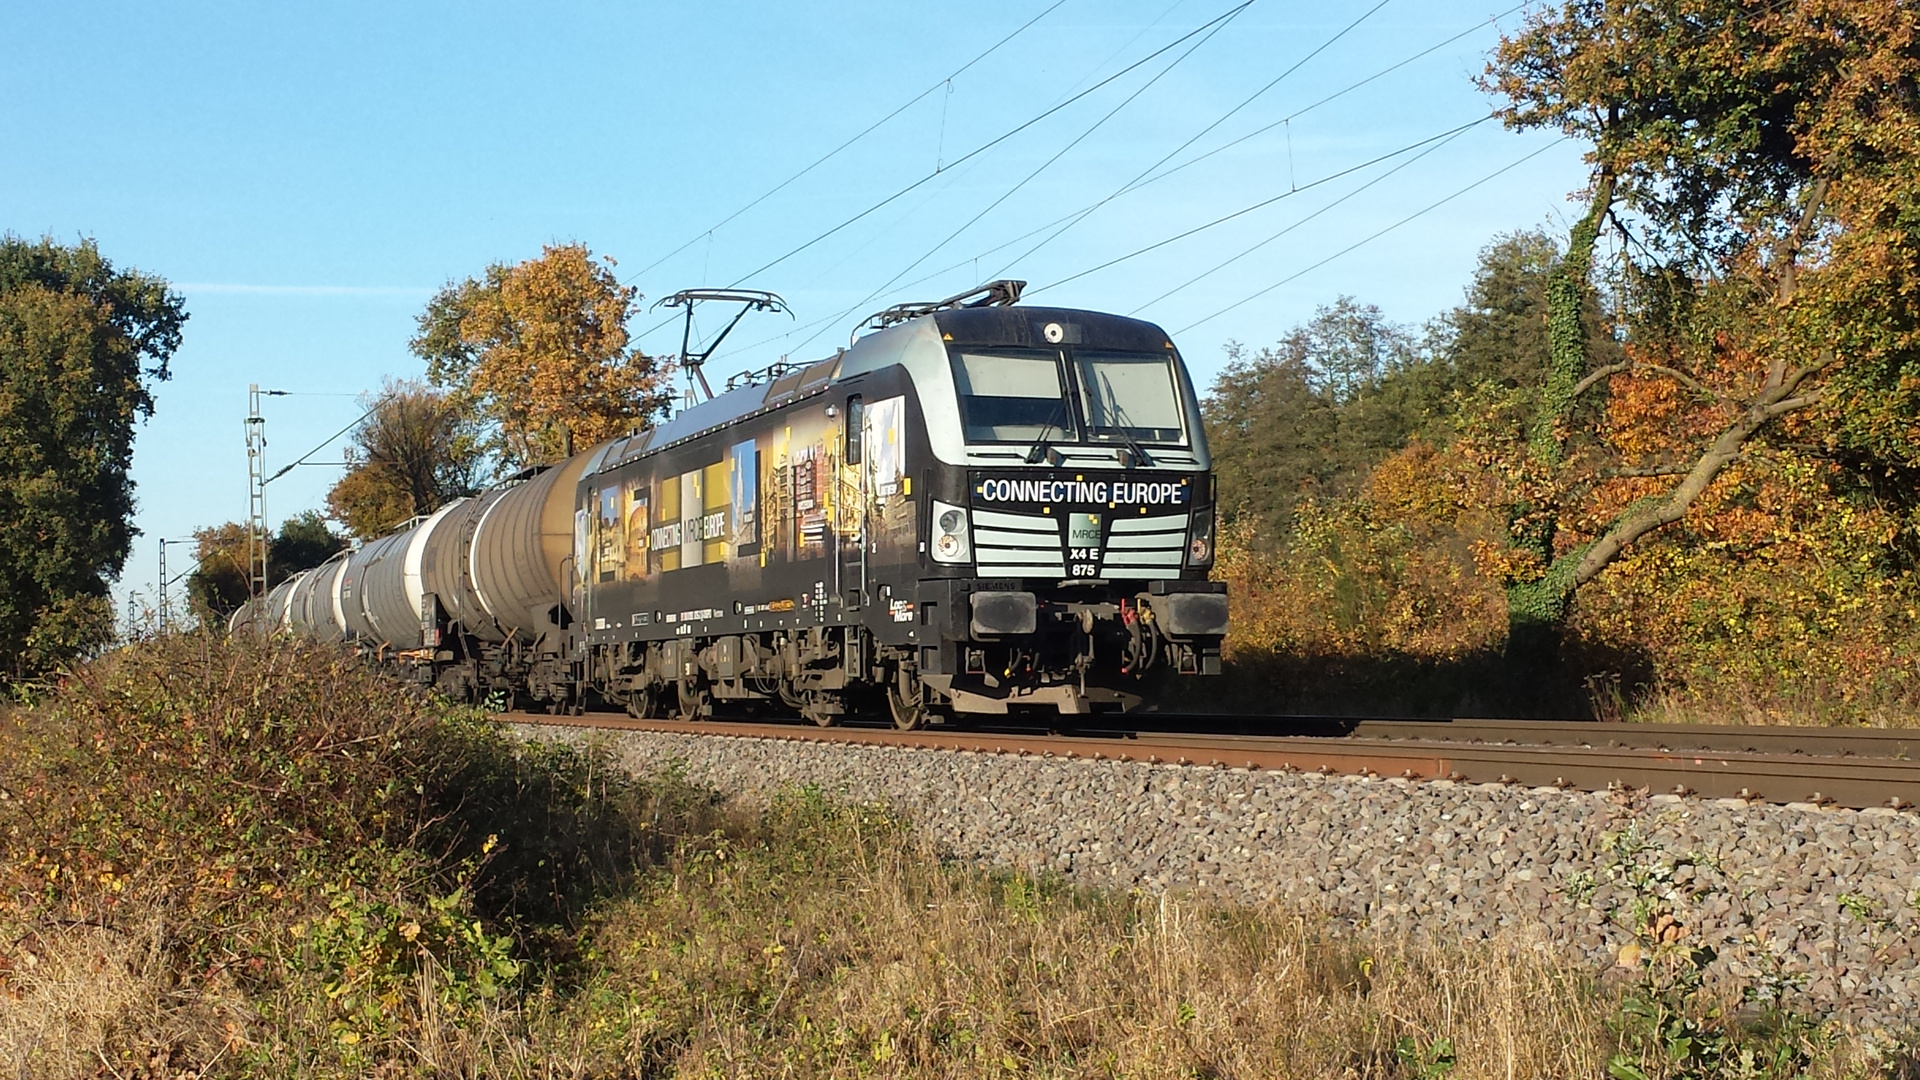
304,542
1761,163
542,349
80,346
219,582
1314,412
1311,413
418,450
1498,336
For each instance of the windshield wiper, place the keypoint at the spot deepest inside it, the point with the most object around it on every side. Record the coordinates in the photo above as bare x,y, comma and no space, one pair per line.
1040,450
1119,414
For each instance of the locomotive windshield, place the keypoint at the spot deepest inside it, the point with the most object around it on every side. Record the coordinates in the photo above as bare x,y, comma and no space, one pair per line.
1129,396
1024,395
1011,396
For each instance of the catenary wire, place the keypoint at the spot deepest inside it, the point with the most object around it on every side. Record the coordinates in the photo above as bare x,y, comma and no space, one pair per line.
1062,152
1243,211
870,129
975,152
1308,186
1138,184
1429,208
997,140
1342,92
1076,219
1217,267
1156,178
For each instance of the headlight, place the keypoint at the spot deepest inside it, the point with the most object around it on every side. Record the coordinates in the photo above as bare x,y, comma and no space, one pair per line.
951,543
1200,539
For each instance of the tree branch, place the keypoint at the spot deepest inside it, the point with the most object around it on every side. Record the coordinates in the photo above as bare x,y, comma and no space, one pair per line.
1629,471
1786,257
1599,374
1787,252
1780,408
1791,382
1650,514
1625,366
1684,379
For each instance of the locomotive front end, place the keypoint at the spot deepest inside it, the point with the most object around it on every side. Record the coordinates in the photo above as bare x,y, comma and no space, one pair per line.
1071,517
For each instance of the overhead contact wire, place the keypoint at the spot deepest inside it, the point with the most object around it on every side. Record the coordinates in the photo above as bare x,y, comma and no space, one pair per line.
1337,94
1138,183
1197,136
1157,177
1456,133
1308,186
1062,152
870,129
990,144
1429,208
1245,210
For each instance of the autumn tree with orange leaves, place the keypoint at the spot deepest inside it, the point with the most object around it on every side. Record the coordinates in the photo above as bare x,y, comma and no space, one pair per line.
541,349
1759,164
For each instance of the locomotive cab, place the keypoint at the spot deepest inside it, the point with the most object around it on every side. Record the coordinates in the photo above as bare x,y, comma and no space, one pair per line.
1068,513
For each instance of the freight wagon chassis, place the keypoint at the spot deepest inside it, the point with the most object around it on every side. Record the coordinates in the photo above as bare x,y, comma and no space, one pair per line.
466,669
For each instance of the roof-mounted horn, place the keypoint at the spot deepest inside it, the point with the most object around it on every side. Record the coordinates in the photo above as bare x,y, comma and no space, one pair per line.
1002,293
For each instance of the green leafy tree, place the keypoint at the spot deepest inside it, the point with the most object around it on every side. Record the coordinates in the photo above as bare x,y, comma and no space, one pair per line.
1310,414
80,346
1498,337
419,449
303,542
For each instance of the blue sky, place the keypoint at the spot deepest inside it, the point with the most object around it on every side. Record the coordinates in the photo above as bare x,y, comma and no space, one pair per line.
308,175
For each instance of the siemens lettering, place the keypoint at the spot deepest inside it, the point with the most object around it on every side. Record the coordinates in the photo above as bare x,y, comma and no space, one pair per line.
1109,493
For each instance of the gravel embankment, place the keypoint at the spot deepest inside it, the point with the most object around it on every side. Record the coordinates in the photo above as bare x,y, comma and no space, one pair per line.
1818,903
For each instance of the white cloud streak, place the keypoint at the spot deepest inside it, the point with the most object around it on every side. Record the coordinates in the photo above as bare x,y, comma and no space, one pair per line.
302,290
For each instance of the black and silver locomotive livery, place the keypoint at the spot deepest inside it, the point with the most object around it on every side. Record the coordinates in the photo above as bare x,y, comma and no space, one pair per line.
976,510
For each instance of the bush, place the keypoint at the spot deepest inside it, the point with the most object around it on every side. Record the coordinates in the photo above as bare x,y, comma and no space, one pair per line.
295,842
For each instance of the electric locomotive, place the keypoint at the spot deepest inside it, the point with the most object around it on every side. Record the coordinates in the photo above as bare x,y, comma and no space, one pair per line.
980,508
974,510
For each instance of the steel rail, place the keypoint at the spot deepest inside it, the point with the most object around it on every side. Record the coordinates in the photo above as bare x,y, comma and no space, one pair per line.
1891,743
1822,780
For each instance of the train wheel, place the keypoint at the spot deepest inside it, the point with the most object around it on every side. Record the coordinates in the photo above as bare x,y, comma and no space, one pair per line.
693,702
644,703
907,701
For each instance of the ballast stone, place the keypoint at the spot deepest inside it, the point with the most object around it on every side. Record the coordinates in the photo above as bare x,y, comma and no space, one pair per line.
1816,903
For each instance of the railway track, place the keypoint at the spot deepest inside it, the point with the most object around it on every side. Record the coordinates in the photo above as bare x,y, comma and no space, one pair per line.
1818,766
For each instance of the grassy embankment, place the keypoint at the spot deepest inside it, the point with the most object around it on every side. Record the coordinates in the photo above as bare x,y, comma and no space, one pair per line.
239,859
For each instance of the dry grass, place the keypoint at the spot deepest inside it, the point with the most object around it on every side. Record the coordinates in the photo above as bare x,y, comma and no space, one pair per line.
892,964
89,1001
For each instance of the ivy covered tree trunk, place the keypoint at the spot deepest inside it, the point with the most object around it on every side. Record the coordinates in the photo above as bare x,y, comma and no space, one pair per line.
1536,608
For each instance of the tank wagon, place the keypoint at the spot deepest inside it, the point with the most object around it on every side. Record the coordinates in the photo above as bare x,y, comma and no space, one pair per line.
972,511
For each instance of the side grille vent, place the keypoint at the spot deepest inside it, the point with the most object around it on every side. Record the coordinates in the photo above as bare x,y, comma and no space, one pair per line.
1146,547
1017,545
